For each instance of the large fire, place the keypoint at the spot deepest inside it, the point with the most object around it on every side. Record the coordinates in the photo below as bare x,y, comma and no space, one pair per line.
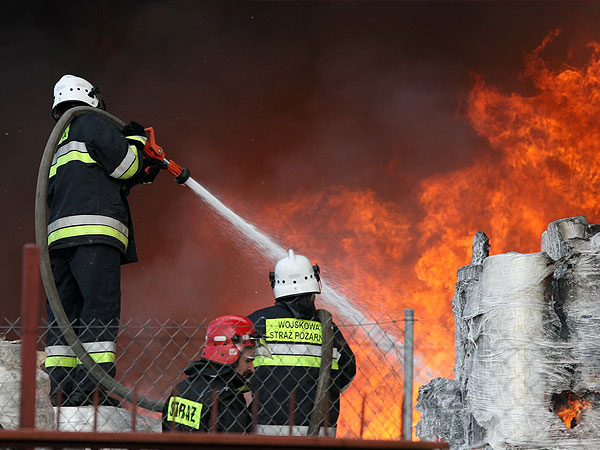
542,163
545,165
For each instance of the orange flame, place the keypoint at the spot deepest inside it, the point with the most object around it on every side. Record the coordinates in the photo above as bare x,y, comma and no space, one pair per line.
540,162
544,165
570,413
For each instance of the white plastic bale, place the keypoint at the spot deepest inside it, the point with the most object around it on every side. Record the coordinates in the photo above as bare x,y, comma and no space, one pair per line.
10,390
107,419
527,328
513,373
441,401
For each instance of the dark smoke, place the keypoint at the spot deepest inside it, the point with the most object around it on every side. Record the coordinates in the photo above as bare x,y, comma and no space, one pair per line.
265,102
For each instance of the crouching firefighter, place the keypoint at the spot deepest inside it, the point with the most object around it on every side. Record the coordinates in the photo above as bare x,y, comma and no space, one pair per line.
90,235
287,379
211,398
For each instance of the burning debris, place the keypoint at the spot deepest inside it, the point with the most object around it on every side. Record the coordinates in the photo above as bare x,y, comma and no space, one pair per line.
527,369
569,407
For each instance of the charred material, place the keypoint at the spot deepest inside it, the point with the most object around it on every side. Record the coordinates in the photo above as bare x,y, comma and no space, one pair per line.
527,369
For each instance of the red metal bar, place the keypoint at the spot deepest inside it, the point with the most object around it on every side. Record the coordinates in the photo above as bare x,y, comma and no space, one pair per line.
30,309
43,438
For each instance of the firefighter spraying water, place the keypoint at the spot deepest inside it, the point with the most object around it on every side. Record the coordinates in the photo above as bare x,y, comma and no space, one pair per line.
90,234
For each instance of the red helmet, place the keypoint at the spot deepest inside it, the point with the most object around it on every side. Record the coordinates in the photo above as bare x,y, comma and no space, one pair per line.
226,338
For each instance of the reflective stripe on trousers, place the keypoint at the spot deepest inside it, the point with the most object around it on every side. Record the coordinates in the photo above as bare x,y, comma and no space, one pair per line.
64,356
297,430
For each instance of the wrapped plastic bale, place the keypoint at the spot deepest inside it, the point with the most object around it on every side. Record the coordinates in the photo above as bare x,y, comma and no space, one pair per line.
580,294
556,240
518,362
441,405
578,303
107,419
441,402
527,348
10,390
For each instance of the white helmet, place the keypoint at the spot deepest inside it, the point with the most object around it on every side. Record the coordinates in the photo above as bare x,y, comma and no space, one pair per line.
295,275
74,89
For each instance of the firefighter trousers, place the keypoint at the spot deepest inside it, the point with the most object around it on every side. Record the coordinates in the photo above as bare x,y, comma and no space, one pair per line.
88,281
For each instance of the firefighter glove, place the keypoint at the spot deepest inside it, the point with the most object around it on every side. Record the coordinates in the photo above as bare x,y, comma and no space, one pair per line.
150,169
135,135
133,129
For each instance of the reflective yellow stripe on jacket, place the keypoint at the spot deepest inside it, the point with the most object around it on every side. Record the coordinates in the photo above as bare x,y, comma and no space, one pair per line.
73,151
131,162
292,361
65,134
85,225
299,344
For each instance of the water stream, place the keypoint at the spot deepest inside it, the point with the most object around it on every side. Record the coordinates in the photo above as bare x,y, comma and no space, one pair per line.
343,306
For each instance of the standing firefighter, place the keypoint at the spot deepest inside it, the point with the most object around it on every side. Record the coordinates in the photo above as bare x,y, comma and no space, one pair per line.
213,393
89,234
288,380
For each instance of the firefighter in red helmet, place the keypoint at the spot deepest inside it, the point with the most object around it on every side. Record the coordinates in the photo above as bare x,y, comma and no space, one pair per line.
219,376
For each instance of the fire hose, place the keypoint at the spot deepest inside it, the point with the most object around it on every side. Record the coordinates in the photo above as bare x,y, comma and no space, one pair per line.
319,409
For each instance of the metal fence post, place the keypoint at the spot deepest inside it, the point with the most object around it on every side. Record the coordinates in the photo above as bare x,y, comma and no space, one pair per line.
30,307
407,406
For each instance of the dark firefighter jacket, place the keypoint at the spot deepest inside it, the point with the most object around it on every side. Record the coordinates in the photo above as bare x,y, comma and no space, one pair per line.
190,405
93,169
294,339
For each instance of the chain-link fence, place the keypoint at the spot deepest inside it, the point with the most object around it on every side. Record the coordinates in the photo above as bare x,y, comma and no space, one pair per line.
162,360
